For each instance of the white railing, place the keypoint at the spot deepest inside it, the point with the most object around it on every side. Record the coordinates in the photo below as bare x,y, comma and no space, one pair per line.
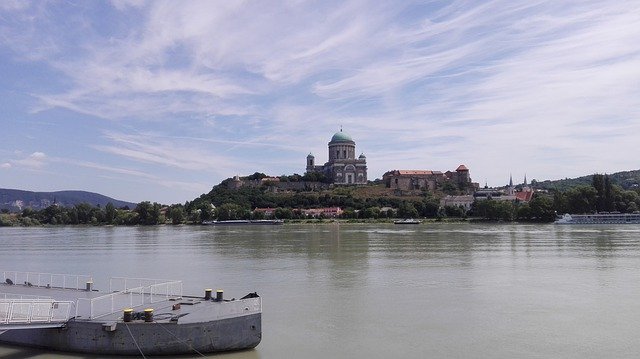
32,311
124,296
21,296
65,281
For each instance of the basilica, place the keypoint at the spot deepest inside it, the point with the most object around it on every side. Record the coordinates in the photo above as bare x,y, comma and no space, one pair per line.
343,167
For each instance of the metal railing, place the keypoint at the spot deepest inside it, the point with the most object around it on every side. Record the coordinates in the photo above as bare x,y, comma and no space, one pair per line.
34,311
125,296
65,281
22,296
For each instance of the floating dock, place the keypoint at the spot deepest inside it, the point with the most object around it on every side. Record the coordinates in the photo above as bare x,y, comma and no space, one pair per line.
135,317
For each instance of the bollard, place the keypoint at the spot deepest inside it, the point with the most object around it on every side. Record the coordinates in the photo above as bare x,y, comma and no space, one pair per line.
127,315
207,294
89,286
148,315
219,293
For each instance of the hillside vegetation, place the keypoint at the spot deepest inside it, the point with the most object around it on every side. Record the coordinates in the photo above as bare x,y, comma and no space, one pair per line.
239,199
17,200
626,180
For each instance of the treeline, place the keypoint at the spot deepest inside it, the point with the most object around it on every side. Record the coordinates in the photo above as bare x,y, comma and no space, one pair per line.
145,213
627,180
601,196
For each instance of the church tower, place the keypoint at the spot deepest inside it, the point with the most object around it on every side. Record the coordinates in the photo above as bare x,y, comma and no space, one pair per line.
311,163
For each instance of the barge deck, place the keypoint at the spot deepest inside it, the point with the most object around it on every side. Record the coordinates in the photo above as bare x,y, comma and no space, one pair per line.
136,316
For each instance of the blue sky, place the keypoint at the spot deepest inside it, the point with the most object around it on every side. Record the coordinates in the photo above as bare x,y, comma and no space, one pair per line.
162,100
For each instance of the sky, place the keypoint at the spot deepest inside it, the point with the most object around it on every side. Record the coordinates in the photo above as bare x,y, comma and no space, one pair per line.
162,100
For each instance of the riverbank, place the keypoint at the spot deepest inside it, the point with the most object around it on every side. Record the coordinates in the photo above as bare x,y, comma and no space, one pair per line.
15,220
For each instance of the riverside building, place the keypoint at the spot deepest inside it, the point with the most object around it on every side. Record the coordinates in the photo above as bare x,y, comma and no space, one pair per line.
343,167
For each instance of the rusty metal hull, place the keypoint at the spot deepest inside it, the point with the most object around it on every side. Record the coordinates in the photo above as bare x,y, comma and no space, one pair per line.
134,338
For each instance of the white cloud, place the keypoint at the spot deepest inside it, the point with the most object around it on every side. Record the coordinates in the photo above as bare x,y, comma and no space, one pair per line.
36,160
5,165
497,85
14,5
123,5
161,151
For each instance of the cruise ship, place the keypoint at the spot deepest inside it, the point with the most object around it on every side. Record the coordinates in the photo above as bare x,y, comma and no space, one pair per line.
600,218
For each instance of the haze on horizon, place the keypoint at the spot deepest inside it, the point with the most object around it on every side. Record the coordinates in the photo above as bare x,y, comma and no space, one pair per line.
161,100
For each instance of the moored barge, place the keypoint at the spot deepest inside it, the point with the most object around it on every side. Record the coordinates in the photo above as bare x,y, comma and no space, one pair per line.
135,317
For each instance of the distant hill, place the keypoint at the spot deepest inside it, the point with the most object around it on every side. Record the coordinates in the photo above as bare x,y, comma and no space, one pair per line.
625,179
17,200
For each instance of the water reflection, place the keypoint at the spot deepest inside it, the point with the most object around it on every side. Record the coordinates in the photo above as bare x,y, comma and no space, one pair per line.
354,290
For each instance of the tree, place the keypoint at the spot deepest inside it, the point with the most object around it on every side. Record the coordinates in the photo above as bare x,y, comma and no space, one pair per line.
143,209
494,210
449,187
369,212
524,212
283,213
228,211
581,199
205,211
148,214
83,211
256,176
407,210
109,213
51,215
542,209
598,183
609,202
454,211
177,215
430,208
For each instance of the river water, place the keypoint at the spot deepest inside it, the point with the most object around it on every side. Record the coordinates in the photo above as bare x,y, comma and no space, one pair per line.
379,290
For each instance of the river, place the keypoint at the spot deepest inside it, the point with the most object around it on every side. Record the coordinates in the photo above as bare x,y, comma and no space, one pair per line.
378,290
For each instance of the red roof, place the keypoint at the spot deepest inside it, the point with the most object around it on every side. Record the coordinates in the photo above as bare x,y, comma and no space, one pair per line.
524,196
414,172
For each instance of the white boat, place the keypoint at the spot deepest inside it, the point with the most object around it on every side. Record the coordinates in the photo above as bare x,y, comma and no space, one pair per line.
600,218
407,221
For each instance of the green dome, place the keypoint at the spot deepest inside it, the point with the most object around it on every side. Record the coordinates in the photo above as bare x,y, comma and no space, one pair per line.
341,137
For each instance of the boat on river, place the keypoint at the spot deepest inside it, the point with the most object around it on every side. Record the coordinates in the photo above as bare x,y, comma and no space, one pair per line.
243,222
600,218
407,221
135,317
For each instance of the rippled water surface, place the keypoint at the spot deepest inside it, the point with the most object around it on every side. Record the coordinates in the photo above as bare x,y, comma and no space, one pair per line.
379,291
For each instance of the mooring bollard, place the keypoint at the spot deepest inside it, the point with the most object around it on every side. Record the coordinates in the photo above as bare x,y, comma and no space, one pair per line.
148,315
127,315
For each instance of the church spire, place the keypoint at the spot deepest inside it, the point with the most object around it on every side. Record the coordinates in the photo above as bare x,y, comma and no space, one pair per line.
510,190
525,179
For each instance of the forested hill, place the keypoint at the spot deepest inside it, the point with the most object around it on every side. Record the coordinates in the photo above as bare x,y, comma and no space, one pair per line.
625,179
16,200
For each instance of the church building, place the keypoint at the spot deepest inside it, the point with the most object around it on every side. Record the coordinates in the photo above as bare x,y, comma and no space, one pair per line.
343,167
